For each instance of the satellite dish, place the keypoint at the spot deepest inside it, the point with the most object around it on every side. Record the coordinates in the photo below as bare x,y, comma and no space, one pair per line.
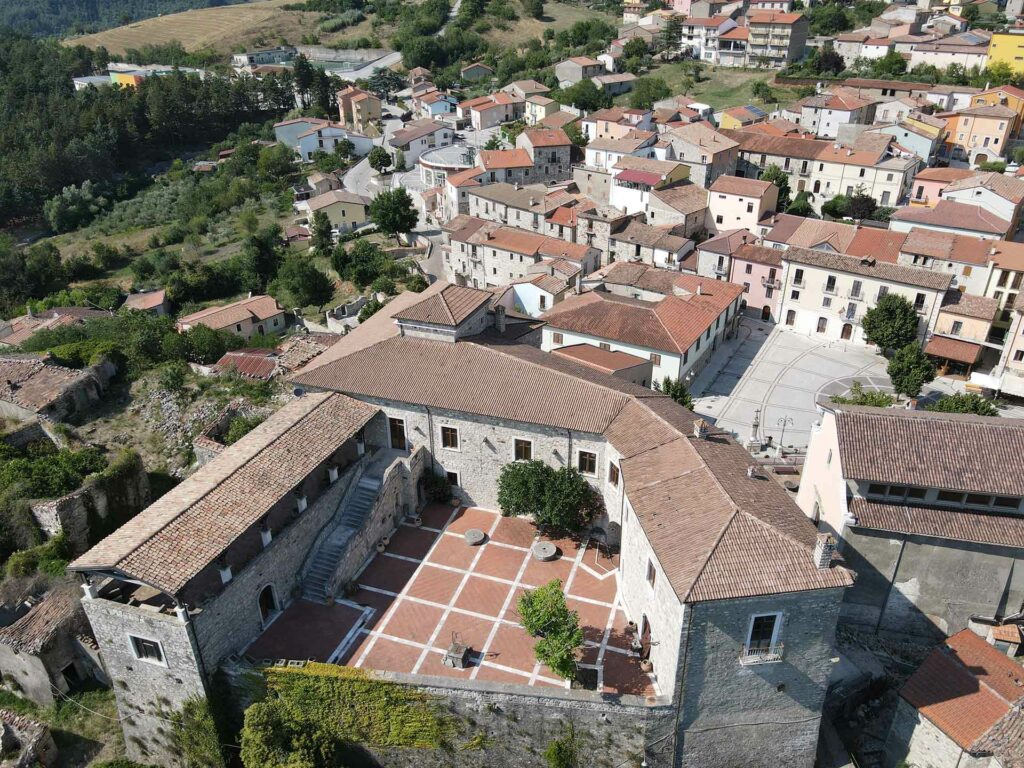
298,391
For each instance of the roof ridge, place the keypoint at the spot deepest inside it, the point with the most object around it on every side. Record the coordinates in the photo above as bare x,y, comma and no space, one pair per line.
226,477
714,547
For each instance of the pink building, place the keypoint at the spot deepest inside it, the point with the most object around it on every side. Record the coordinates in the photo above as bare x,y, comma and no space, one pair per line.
759,270
929,183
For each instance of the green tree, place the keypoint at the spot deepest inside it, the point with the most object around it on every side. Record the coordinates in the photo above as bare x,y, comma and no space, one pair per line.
416,283
801,205
521,488
671,34
394,212
304,283
544,614
385,285
647,90
576,135
205,345
321,237
558,500
384,83
910,369
304,76
890,65
534,8
861,205
838,207
677,390
369,309
399,161
195,735
584,95
248,220
890,324
966,402
970,12
860,396
780,179
493,143
761,90
379,159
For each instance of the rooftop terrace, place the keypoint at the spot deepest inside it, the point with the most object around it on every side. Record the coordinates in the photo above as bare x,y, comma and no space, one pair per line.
430,586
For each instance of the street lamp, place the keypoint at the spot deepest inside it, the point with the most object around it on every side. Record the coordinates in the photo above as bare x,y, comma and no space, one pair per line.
783,422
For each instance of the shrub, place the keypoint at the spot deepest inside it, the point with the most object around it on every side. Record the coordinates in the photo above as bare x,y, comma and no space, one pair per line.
195,735
416,283
172,377
559,500
383,284
239,427
563,752
859,396
437,488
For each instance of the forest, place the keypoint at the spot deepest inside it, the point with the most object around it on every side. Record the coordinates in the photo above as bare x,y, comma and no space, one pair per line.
52,137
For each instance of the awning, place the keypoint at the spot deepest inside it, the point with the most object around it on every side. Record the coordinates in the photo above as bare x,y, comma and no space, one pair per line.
635,176
953,349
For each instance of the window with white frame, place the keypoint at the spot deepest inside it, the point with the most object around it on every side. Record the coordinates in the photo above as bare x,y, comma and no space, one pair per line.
147,650
762,644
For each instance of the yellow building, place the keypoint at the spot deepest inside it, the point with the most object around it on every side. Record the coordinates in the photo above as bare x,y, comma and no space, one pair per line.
979,134
1007,48
1005,95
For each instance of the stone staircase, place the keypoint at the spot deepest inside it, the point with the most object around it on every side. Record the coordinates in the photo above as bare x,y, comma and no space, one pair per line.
353,514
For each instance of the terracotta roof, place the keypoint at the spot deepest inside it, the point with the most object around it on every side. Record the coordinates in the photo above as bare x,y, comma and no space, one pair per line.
882,244
968,305
939,522
726,243
451,306
584,61
947,246
953,349
685,491
58,610
518,241
34,383
145,300
336,196
774,18
944,174
416,129
504,158
546,282
959,452
704,136
253,308
670,325
604,360
647,235
470,177
965,687
1007,633
759,254
558,119
736,33
735,185
686,198
547,137
1005,186
879,270
639,275
989,110
953,215
250,363
187,529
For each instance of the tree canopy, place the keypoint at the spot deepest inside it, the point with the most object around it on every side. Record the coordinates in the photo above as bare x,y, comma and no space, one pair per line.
891,323
964,402
394,212
910,369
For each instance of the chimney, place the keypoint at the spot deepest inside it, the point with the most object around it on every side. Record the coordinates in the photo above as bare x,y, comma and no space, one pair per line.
743,239
751,471
699,292
499,318
991,252
824,548
250,294
533,201
700,429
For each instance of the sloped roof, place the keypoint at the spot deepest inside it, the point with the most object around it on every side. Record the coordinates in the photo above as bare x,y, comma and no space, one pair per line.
35,383
252,308
953,349
953,215
58,610
735,185
685,491
187,529
449,307
145,300
959,452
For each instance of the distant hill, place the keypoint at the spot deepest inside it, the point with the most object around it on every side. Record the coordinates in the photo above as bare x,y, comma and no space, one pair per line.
59,17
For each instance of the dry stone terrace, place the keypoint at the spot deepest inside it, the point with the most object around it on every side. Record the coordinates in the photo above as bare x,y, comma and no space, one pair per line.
430,587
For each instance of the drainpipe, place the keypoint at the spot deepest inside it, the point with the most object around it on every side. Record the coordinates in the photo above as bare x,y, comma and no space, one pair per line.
568,458
888,591
430,437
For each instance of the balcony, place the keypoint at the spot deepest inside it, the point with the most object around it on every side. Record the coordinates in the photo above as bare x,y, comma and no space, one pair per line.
829,291
768,283
858,296
768,655
722,271
799,283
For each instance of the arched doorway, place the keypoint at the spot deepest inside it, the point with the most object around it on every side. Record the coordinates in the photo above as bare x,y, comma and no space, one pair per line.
268,604
766,313
980,158
847,333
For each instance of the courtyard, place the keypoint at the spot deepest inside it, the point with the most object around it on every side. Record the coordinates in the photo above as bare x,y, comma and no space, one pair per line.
783,374
430,588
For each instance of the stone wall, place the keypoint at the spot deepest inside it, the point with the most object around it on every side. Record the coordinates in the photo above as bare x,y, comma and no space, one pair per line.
31,739
146,692
485,446
396,498
761,714
104,502
927,587
915,740
34,431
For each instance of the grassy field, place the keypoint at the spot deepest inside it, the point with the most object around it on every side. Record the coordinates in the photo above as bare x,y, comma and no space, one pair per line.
223,29
721,87
557,16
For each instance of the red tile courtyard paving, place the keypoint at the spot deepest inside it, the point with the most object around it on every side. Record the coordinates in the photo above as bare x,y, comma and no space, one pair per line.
430,587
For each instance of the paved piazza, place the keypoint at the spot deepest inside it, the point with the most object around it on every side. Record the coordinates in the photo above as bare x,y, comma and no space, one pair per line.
784,374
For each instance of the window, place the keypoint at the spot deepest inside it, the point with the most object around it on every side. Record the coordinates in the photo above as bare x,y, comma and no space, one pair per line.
543,301
605,346
830,284
147,650
523,450
655,358
556,338
1018,356
790,316
450,438
748,269
718,219
794,295
769,292
764,631
453,479
798,277
652,574
950,497
750,207
746,287
587,463
919,301
957,328
822,325
826,302
613,474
